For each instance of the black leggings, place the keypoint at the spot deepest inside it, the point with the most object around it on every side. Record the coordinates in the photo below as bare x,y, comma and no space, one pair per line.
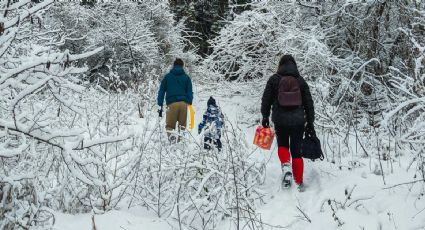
294,134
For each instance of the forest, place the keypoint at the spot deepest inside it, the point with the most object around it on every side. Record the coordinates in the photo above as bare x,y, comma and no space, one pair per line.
82,145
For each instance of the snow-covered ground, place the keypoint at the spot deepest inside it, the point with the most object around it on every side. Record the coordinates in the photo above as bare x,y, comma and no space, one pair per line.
338,196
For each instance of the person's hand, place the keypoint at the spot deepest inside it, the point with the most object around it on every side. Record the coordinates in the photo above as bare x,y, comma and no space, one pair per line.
160,112
265,123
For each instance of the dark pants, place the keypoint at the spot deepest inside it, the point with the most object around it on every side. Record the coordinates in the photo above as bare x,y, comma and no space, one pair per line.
208,142
290,137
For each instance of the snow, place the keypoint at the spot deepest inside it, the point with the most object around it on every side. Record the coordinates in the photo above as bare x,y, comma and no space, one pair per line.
135,219
371,204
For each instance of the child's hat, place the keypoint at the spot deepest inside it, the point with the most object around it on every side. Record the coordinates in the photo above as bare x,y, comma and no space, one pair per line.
211,101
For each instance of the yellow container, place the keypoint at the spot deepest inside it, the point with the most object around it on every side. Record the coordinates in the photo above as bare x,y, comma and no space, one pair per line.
192,117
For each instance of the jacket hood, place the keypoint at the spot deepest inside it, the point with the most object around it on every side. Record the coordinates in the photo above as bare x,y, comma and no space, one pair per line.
177,70
288,69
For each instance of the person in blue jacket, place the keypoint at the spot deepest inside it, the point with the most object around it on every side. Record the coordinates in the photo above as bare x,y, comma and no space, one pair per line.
212,123
176,88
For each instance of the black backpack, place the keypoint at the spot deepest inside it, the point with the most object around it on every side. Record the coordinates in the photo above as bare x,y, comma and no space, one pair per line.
289,92
311,148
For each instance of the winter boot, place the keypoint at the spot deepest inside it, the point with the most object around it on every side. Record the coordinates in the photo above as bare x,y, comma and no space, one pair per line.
298,170
286,175
285,158
301,187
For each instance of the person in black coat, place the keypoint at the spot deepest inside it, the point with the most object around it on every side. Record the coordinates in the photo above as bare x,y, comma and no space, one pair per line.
290,121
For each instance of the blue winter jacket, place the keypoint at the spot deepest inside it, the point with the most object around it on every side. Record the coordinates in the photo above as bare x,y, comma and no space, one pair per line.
212,122
176,86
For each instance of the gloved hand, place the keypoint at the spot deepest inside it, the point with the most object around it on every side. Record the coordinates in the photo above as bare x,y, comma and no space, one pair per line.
266,122
160,112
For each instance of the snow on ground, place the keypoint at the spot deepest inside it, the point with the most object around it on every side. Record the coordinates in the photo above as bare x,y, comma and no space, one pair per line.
134,219
353,197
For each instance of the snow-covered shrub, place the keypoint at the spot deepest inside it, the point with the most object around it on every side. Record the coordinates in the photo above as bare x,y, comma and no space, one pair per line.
405,117
106,155
381,101
36,82
22,182
251,45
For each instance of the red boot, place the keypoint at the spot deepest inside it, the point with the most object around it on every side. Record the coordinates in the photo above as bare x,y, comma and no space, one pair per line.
284,155
298,170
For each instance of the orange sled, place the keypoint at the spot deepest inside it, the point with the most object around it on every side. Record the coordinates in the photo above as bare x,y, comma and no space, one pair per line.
264,137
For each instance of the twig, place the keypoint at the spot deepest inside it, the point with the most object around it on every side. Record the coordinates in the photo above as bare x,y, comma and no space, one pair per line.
406,183
305,215
93,223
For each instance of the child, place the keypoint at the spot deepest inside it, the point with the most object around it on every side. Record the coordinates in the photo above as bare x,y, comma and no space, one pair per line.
212,122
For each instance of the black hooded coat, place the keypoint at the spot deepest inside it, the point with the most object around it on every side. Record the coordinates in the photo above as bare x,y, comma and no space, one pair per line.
287,116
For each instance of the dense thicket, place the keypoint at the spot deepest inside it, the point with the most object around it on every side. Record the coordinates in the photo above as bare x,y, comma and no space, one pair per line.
204,18
355,49
140,39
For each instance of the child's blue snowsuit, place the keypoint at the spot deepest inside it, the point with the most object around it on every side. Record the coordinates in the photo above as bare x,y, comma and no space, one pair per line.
212,123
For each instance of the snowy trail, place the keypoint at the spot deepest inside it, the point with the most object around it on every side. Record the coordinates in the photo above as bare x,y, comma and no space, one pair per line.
281,205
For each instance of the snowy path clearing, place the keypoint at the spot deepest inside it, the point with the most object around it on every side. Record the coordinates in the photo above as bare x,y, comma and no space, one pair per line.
369,205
